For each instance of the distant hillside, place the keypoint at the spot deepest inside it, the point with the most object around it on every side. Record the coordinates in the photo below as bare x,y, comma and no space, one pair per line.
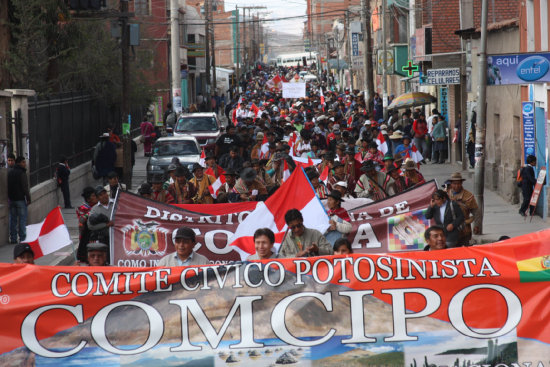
384,359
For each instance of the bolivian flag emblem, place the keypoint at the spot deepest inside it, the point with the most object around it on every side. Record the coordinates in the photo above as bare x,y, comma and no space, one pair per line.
536,269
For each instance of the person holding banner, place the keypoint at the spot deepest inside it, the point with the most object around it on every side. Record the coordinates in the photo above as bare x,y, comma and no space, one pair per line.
371,182
340,222
264,239
435,238
302,241
97,254
447,214
182,190
184,242
201,181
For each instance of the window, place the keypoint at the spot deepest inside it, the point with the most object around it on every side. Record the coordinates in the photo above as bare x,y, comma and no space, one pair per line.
141,7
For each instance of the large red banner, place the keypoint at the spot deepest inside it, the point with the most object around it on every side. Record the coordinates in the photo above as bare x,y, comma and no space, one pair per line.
143,228
478,306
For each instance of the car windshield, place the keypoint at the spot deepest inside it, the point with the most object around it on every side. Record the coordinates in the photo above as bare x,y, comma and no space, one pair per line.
196,124
175,148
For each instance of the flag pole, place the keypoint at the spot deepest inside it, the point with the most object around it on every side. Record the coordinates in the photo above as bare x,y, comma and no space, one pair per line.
72,243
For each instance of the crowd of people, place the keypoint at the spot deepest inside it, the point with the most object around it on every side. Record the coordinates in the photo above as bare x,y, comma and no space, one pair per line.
350,149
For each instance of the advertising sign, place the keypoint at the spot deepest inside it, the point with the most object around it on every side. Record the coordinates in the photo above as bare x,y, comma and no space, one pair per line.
444,102
528,114
445,76
389,62
470,306
294,90
518,68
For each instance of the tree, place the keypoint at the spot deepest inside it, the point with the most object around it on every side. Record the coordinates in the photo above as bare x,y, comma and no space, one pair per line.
51,52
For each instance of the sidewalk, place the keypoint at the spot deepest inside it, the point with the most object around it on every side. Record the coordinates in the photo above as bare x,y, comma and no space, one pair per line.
500,217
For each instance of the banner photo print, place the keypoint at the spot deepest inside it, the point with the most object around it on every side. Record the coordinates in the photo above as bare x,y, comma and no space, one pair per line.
476,306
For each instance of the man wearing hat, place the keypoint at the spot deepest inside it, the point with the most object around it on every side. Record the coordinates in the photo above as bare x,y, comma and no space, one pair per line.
468,204
396,140
171,172
371,183
228,188
182,190
201,181
184,243
388,162
145,190
411,173
340,222
339,175
114,185
99,218
256,151
23,254
320,189
352,167
227,140
97,254
104,158
249,187
160,194
82,213
404,147
212,168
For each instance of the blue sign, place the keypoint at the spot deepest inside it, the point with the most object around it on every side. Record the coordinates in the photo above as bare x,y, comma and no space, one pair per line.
444,103
355,44
518,68
528,113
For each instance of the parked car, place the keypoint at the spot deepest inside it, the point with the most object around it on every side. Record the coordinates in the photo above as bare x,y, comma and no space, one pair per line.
204,126
185,147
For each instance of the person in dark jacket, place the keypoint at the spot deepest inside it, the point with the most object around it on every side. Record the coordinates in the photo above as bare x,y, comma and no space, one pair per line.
19,197
528,181
447,214
104,158
62,172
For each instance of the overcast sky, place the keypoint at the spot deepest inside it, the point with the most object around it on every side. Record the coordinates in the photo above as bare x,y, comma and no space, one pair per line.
277,9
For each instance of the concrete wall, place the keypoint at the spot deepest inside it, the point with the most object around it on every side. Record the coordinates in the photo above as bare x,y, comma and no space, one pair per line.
503,137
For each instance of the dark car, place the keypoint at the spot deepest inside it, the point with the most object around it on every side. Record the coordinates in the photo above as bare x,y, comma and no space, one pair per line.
204,126
185,147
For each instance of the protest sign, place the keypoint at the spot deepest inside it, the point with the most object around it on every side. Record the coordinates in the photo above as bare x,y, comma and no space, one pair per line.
143,228
472,306
294,90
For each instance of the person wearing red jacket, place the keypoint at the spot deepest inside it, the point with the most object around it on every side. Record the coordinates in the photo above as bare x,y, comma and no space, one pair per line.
420,130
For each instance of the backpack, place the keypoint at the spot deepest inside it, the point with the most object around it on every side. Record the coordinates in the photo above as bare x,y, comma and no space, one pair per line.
170,119
519,178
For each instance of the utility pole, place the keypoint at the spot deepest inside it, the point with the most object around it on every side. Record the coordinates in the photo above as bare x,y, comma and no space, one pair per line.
175,56
385,61
238,50
207,55
126,117
367,47
213,48
479,173
245,58
348,50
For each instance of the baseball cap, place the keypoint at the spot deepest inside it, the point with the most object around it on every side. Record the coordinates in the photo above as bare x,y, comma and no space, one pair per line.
183,232
20,249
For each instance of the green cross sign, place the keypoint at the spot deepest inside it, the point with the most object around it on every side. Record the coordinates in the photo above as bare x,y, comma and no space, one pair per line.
410,68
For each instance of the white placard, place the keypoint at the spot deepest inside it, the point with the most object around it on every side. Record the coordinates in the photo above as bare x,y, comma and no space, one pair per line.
294,90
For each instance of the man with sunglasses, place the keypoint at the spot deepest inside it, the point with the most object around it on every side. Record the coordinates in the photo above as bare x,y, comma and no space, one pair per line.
300,241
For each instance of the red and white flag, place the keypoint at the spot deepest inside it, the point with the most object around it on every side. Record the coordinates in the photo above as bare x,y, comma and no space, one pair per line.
255,110
415,155
216,186
202,158
322,98
381,142
324,175
264,149
291,141
286,171
49,236
295,193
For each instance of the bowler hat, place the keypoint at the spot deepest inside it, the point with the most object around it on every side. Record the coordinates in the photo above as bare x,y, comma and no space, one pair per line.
158,178
312,173
368,166
230,172
196,166
181,172
248,174
388,157
145,189
337,164
336,195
